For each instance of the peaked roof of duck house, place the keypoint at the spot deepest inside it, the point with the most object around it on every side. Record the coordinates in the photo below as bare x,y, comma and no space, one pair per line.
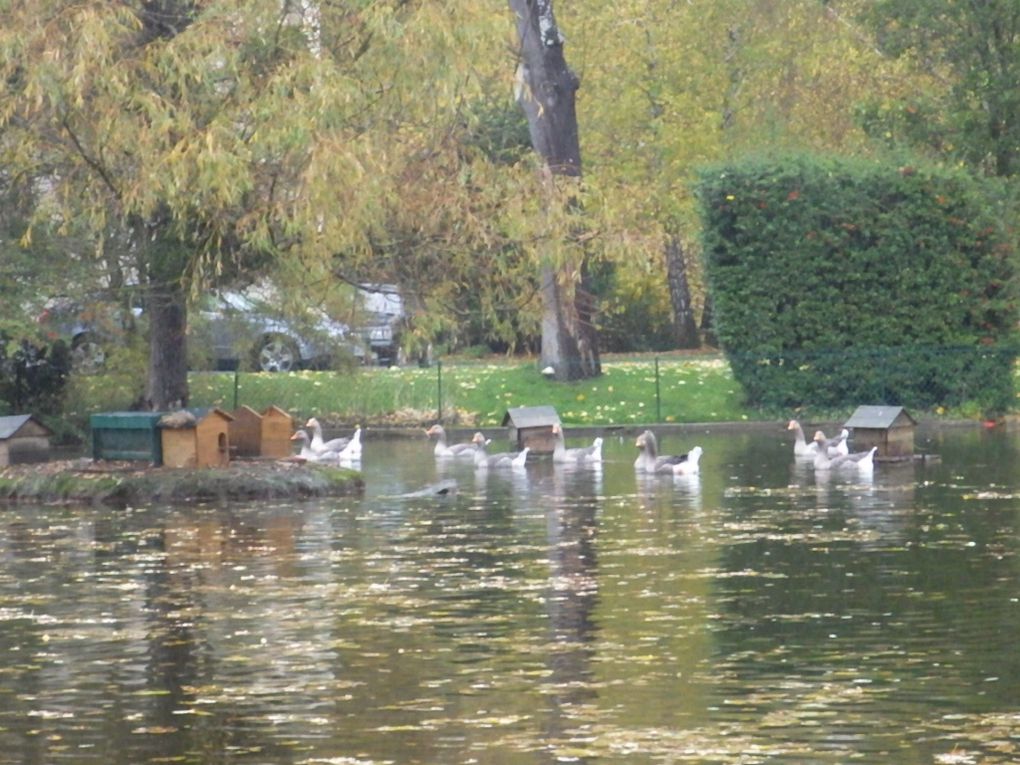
879,417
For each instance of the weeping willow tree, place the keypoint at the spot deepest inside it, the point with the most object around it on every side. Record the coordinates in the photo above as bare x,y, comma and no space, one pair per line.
216,138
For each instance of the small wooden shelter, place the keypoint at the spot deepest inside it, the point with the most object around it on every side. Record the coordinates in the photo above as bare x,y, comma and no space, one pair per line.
890,428
23,439
196,438
246,432
277,428
531,426
261,435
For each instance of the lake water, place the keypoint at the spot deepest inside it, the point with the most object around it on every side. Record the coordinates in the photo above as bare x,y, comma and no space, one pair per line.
755,614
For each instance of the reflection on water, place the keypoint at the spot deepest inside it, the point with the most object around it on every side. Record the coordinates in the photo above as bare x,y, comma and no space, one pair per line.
757,612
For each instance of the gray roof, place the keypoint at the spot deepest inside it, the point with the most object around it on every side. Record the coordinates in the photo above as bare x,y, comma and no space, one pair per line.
11,424
879,417
531,416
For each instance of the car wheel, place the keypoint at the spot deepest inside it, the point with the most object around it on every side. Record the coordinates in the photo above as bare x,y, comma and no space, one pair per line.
88,356
276,353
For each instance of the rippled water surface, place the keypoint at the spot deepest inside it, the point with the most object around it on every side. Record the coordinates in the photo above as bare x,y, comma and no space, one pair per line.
755,614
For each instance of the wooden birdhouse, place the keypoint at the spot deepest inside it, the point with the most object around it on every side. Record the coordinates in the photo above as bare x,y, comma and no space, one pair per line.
196,438
246,432
532,427
261,435
277,428
23,439
890,428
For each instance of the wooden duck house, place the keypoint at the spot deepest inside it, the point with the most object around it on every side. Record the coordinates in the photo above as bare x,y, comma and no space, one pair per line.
261,435
246,432
277,428
890,428
23,439
196,438
532,427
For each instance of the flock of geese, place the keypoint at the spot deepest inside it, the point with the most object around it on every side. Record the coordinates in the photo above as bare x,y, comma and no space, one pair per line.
825,453
830,453
336,451
649,460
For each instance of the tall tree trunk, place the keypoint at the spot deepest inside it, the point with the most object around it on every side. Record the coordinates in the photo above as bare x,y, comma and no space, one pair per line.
685,328
168,359
708,322
547,96
569,341
167,308
167,385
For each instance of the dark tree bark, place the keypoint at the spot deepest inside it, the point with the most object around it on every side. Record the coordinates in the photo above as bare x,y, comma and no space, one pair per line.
708,322
165,262
166,299
685,328
547,96
168,366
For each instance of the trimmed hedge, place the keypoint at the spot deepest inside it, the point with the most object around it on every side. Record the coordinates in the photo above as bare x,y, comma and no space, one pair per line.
839,283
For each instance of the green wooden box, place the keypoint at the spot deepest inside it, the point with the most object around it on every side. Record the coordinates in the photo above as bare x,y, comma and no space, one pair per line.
127,436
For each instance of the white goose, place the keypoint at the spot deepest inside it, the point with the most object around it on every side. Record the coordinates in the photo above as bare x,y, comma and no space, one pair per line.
801,446
503,459
582,454
317,445
307,454
352,451
443,449
862,461
835,446
678,464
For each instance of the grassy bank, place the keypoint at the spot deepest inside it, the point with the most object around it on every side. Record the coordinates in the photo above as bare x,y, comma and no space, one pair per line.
632,390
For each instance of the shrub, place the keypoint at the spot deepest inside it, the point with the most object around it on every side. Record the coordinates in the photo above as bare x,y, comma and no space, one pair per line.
33,377
839,282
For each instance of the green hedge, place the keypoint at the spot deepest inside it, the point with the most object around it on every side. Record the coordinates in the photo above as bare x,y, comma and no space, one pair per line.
839,283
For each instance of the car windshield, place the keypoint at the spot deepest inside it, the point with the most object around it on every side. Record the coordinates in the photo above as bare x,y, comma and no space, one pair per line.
237,301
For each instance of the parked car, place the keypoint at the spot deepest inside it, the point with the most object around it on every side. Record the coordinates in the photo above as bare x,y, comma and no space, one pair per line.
247,330
382,318
228,329
89,326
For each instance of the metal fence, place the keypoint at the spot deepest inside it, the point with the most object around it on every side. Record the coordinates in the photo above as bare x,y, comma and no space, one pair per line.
631,390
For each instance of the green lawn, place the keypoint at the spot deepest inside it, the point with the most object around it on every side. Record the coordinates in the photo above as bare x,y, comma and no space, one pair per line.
632,390
695,389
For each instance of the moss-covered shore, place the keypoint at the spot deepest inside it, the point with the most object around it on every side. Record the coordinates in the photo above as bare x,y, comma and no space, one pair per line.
121,483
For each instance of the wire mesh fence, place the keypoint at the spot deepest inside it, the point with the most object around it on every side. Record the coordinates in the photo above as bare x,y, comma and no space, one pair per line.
639,389
631,389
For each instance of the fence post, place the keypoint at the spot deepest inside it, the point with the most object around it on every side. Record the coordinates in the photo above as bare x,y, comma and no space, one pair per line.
439,391
658,397
237,385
